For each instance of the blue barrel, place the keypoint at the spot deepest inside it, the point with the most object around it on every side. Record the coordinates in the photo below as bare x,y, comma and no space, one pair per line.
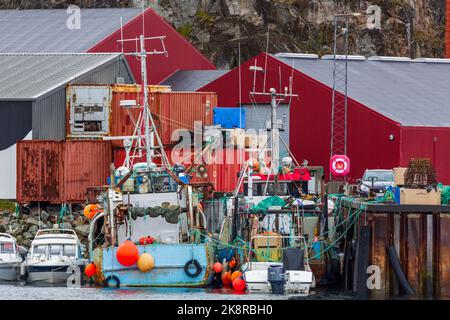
276,278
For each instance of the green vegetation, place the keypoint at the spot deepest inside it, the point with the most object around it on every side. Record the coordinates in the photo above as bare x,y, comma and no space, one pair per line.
185,30
205,17
6,205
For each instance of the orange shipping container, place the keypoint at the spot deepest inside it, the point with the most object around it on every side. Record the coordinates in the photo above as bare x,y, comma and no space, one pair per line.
60,172
180,110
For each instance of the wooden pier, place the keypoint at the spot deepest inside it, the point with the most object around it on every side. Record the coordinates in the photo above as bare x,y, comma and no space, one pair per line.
421,238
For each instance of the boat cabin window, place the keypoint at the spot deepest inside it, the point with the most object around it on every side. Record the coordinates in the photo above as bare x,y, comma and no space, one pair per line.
69,250
7,247
55,249
285,188
39,250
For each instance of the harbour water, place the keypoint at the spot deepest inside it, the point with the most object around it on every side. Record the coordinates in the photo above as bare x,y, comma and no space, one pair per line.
19,292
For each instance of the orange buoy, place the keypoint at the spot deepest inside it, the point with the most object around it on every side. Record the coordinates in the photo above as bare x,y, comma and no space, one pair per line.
146,262
91,210
217,267
239,285
235,275
90,270
232,263
127,254
226,279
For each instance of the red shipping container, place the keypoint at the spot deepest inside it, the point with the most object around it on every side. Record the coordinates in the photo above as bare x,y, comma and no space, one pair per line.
172,111
40,171
86,164
60,172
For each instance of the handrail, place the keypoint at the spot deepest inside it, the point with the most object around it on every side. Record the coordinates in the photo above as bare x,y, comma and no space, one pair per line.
49,231
276,236
6,235
91,230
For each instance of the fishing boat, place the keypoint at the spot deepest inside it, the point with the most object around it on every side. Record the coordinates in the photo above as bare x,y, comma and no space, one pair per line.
150,209
10,258
295,277
55,255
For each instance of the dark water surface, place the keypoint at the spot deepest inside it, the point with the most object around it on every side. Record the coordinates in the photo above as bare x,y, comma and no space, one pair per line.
19,292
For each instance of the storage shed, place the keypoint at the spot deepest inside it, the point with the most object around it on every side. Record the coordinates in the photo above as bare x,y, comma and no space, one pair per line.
398,108
33,98
39,31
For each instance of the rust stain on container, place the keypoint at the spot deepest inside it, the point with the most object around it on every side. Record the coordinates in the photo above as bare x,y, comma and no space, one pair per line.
86,164
39,171
60,172
171,110
180,110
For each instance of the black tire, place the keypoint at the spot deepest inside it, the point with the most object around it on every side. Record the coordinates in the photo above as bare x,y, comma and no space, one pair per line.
198,268
113,278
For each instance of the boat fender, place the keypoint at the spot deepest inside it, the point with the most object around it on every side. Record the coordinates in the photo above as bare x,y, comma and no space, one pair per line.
198,268
114,279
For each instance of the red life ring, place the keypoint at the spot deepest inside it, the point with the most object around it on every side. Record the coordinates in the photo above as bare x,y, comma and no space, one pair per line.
340,165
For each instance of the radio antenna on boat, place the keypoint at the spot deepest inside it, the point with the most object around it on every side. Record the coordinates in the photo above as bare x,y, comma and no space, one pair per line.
150,131
276,98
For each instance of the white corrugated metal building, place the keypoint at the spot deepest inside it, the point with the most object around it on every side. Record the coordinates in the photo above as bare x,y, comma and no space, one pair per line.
33,98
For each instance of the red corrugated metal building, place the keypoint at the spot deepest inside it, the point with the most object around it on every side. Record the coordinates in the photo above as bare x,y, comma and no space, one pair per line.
97,30
181,54
398,108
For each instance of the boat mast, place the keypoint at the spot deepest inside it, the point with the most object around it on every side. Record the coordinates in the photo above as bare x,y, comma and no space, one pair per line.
149,135
275,140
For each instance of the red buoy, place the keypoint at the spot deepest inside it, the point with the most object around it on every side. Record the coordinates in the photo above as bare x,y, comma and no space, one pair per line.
217,267
127,254
232,263
239,285
90,270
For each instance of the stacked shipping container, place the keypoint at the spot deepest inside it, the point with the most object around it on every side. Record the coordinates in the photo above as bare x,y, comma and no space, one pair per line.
60,172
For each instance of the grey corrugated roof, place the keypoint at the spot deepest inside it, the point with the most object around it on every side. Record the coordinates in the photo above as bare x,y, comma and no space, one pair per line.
29,76
410,93
192,80
46,30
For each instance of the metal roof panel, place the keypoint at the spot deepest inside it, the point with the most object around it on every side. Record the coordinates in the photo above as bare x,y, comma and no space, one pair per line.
412,94
29,76
47,31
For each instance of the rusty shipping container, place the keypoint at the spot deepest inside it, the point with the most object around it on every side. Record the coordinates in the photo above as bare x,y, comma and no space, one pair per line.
39,171
180,110
60,172
93,111
86,164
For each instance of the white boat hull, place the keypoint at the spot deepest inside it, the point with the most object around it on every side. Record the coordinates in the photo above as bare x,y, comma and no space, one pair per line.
297,282
9,272
46,274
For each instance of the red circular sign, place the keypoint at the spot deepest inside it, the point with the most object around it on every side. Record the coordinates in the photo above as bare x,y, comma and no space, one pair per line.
340,165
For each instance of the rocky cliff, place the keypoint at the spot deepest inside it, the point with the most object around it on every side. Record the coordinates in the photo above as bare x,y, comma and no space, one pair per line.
217,27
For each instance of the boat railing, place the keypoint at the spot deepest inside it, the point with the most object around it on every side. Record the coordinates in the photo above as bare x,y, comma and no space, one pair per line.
6,235
301,238
53,231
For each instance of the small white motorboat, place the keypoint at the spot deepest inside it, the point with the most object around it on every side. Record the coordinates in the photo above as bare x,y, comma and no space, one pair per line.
293,275
10,258
55,255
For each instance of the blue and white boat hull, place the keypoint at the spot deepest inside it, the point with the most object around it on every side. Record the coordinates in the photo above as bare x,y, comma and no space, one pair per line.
169,270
